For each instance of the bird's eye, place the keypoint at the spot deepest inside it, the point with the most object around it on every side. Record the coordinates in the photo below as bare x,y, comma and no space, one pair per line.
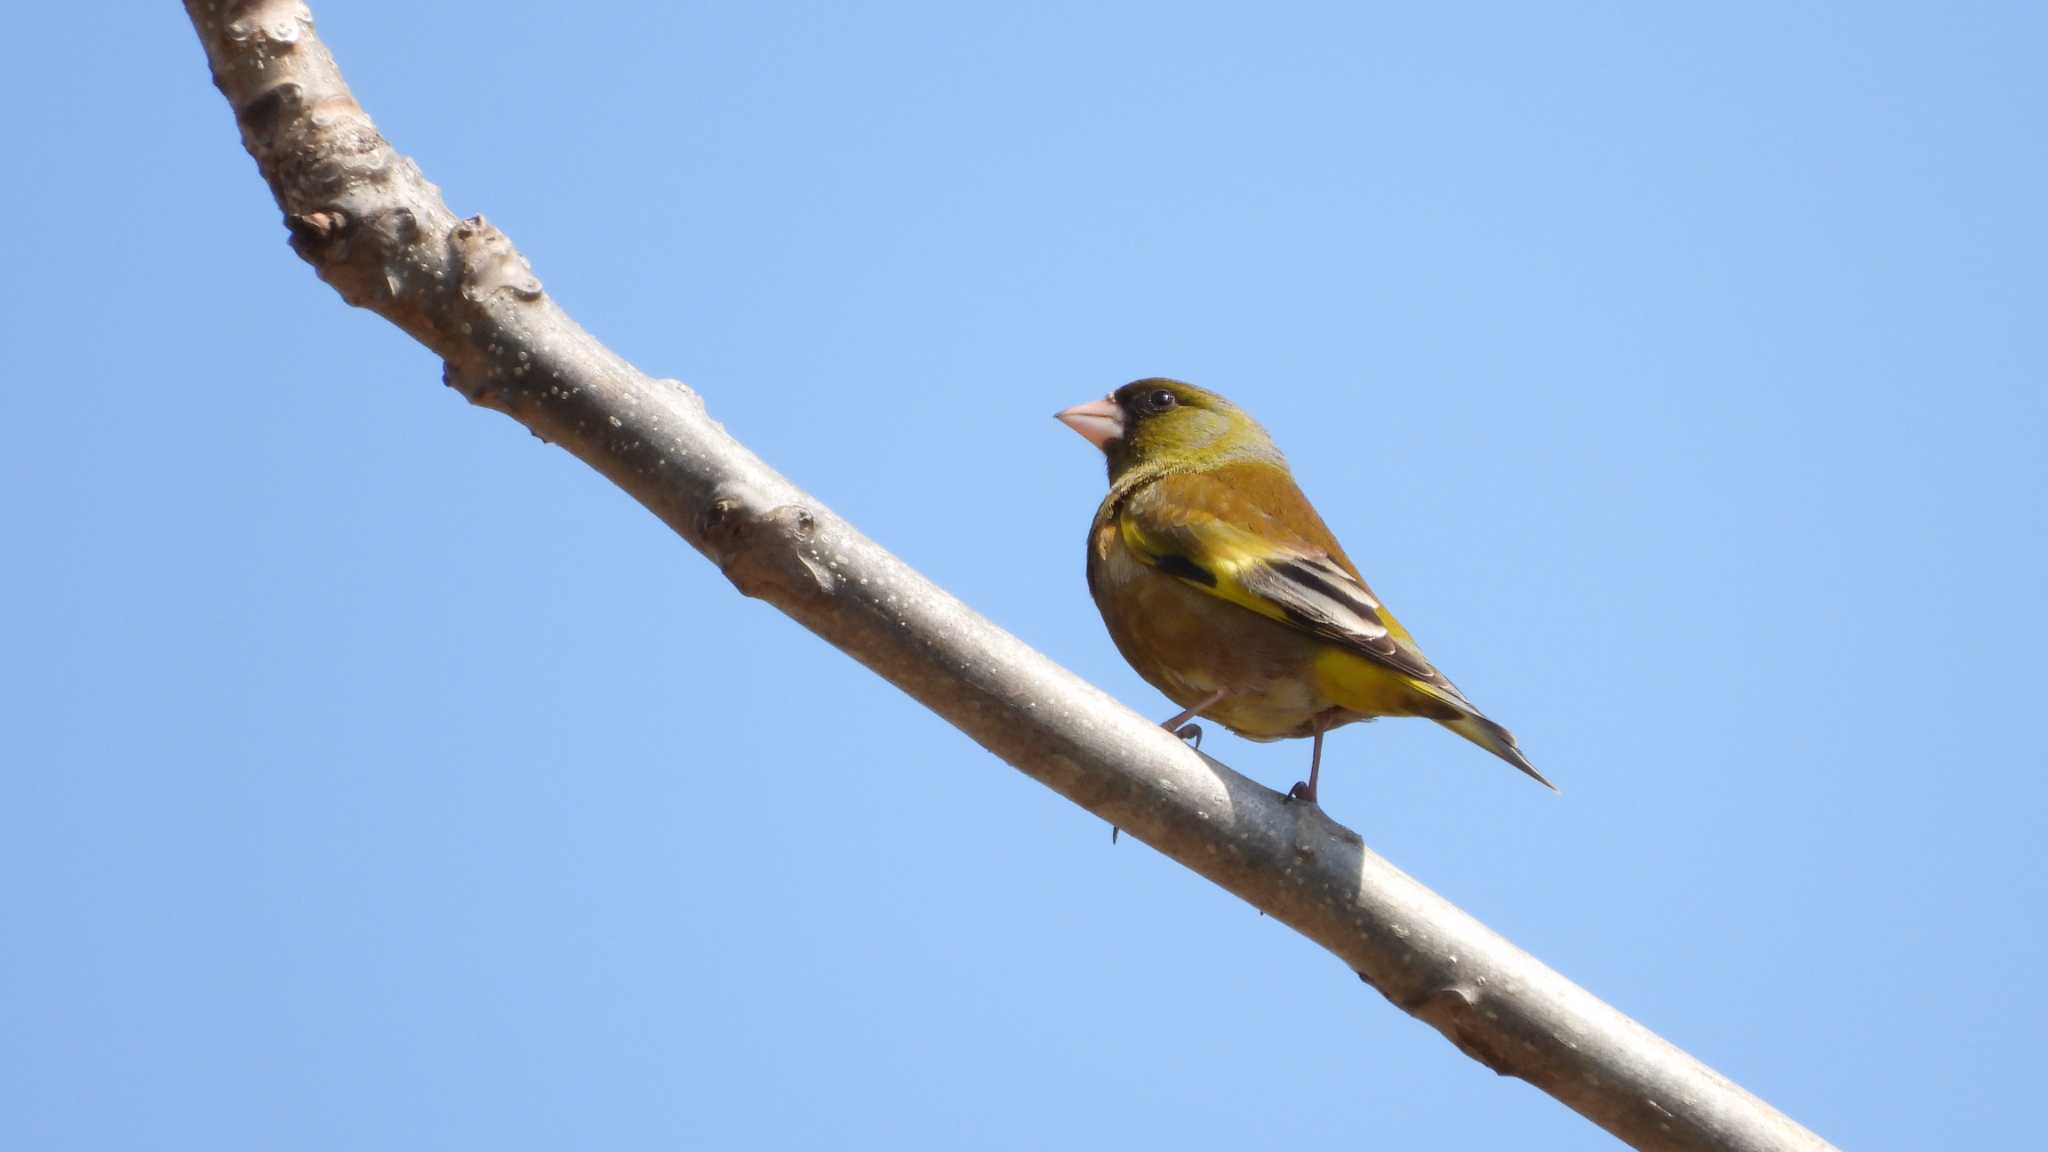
1159,400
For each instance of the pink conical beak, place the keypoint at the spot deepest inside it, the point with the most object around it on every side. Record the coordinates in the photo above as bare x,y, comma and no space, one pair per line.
1099,421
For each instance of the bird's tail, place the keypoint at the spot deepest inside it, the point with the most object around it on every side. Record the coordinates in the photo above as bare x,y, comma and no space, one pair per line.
1495,739
1370,688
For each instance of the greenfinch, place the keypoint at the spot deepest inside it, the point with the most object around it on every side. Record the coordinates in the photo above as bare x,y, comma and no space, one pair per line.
1225,590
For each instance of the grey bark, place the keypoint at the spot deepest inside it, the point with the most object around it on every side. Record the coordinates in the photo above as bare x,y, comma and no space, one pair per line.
373,228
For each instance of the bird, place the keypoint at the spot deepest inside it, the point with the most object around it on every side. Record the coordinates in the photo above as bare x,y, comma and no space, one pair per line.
1223,588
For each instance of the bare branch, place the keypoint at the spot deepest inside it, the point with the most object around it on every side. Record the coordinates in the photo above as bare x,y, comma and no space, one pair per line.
373,227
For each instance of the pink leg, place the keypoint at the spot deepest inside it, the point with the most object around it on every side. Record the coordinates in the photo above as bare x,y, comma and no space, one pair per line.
1180,719
1315,766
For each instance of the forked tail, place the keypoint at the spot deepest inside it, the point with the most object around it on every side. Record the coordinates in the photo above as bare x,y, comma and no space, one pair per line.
1497,740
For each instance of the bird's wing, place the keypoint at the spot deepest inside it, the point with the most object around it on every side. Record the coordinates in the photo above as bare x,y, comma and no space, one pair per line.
1258,547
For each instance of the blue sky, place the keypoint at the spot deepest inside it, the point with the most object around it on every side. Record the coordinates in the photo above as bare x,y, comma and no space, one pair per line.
376,776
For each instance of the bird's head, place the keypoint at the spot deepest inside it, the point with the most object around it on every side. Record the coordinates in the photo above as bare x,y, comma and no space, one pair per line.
1158,425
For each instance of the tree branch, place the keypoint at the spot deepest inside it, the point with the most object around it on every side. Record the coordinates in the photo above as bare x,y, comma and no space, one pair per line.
373,228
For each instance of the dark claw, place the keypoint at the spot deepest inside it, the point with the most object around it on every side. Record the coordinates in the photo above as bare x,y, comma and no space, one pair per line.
1192,733
1114,831
1301,791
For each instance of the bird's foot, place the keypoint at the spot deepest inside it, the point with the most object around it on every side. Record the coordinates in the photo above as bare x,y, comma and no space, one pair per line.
1179,725
1302,791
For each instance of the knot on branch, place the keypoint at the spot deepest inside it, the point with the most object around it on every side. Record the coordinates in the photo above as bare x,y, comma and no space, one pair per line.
1455,1011
768,553
269,23
312,148
487,272
315,229
488,265
365,260
318,150
264,116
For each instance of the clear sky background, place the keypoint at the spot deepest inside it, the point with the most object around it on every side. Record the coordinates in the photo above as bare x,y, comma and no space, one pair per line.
378,777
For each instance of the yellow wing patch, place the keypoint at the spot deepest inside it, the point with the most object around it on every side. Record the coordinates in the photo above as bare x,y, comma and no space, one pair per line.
1295,588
